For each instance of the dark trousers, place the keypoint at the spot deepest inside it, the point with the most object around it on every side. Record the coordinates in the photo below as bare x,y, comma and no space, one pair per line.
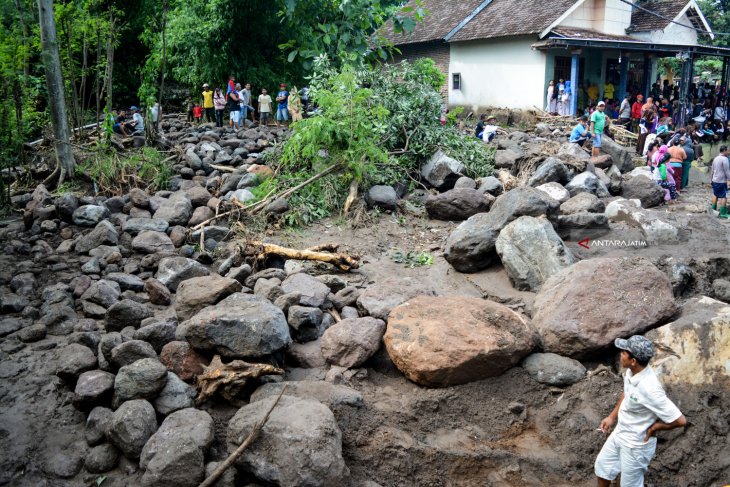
219,118
210,115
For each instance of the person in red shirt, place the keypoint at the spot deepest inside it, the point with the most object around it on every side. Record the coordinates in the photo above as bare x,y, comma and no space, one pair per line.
636,111
198,113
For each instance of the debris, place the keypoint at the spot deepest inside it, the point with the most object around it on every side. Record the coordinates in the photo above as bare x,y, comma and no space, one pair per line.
230,378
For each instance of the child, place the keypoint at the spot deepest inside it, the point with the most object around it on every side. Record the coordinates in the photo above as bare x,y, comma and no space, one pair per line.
198,113
189,106
663,174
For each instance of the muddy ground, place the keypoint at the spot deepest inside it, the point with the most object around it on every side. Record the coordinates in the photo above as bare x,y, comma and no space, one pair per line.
504,431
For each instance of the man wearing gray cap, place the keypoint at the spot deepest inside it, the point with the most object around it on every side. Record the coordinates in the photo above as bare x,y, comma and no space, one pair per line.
642,410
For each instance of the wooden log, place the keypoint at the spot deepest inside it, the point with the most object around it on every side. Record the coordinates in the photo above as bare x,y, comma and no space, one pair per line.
261,250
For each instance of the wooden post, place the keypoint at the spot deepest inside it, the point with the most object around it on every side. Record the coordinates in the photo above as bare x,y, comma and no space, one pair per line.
54,83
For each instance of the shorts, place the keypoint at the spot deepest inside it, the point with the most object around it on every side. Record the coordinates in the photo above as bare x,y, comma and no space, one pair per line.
719,190
264,117
597,140
235,116
631,463
282,114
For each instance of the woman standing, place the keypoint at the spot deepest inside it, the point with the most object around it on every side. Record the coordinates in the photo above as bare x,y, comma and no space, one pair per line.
295,105
219,102
549,107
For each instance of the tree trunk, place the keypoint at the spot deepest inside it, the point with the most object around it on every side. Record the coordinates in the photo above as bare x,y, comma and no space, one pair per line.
75,112
54,84
164,64
110,61
24,29
98,81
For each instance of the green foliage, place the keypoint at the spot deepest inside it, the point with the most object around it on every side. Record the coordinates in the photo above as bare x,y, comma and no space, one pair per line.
717,13
411,258
115,175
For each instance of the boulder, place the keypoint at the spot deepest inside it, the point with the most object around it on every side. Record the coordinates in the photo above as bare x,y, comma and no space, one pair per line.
201,214
470,247
180,358
94,388
131,426
157,334
102,458
383,197
553,370
127,282
102,292
643,189
157,292
574,151
300,444
150,242
97,424
73,360
331,395
134,226
175,211
175,455
304,320
312,292
128,352
442,171
721,290
490,185
578,226
619,155
604,161
174,396
90,215
139,198
585,307
456,204
505,159
582,203
465,182
556,191
198,292
482,339
126,313
350,343
142,379
103,234
621,210
380,298
240,326
171,271
551,170
587,182
531,252
65,206
694,349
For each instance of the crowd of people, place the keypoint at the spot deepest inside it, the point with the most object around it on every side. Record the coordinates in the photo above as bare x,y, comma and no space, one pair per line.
238,100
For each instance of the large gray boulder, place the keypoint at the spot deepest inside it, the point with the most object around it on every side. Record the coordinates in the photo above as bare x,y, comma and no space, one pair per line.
531,251
383,197
456,204
198,292
299,445
176,210
171,271
240,326
175,455
442,171
351,342
133,226
312,292
94,388
142,379
103,234
151,242
552,170
102,292
131,426
174,396
582,203
643,189
555,190
126,313
554,370
587,182
90,215
621,157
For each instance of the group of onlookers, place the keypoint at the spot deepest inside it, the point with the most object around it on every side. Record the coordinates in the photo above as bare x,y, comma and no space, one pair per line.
238,100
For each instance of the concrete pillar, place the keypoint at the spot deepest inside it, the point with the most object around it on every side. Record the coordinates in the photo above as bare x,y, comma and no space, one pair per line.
574,65
624,78
647,76
685,99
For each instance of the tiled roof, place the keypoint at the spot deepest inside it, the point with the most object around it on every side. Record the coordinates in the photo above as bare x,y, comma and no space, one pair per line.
500,18
642,21
572,33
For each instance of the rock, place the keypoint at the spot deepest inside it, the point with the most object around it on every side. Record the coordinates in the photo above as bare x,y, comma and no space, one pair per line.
483,339
490,185
102,458
134,226
174,456
201,214
157,292
269,289
94,388
578,226
470,247
277,207
300,444
126,313
305,321
573,151
346,297
139,198
65,206
582,203
556,191
721,290
622,210
615,181
89,215
103,234
331,395
587,182
142,379
350,343
307,355
174,396
33,333
92,266
197,195
619,155
74,360
442,171
380,298
102,292
97,424
656,231
551,170
131,426
240,326
505,159
644,189
694,349
465,183
127,282
312,292
456,204
335,283
383,197
180,358
64,464
553,370
10,325
175,211
240,195
128,352
531,252
239,273
173,270
604,161
157,334
198,292
149,242
585,307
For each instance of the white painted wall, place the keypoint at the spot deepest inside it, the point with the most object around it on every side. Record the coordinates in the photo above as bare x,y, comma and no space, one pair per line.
617,17
606,16
582,16
497,73
672,34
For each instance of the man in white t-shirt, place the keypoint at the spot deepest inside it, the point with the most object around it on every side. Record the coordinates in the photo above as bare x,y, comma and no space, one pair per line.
642,410
264,108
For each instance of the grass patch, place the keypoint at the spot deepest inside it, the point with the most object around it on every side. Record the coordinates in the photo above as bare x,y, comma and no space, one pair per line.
115,175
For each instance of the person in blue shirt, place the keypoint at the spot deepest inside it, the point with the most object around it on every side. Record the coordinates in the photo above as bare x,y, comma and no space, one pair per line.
580,133
282,112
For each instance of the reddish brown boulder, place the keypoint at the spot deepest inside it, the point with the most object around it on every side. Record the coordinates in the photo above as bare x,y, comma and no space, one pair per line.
157,292
444,341
180,358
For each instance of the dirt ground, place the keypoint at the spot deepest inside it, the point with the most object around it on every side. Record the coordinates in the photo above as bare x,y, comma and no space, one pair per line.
504,431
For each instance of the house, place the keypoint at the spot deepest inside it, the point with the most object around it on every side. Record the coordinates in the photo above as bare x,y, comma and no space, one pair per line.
503,53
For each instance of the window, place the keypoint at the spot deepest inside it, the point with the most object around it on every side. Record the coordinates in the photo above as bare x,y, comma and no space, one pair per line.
563,66
456,81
